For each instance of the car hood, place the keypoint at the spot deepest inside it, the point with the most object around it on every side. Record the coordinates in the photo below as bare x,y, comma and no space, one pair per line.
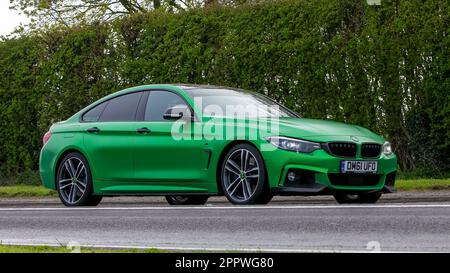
308,129
324,130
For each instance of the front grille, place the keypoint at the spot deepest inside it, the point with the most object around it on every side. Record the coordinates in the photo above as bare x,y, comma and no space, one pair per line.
342,149
370,150
342,179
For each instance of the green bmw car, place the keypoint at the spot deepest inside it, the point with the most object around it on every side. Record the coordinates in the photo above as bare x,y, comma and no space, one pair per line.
190,142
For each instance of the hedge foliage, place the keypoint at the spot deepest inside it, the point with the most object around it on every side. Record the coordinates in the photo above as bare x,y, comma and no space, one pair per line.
383,67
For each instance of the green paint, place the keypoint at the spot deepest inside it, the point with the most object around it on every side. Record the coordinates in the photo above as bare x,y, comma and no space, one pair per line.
124,162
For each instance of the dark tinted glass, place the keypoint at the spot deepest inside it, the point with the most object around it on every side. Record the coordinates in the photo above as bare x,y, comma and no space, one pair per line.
122,108
93,115
159,102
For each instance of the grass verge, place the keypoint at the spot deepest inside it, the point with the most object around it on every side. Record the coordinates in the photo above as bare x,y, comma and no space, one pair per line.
401,185
423,184
26,191
62,249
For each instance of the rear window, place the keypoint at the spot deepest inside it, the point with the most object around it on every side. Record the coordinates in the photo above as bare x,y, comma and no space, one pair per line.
93,115
122,108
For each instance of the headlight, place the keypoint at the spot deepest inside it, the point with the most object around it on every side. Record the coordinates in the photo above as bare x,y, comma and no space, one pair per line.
387,148
292,144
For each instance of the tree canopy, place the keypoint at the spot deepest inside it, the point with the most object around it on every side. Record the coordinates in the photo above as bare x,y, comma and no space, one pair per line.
69,12
384,67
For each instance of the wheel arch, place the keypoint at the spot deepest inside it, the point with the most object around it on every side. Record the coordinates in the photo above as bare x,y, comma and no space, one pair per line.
224,152
62,155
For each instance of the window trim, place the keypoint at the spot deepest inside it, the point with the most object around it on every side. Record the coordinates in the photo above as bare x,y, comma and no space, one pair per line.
81,120
145,95
140,112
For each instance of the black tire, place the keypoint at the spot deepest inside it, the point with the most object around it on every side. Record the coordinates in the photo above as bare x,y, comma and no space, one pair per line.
93,201
265,198
362,198
261,192
179,200
85,198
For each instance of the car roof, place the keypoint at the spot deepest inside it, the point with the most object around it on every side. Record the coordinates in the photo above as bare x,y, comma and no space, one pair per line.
206,86
174,87
179,88
168,87
198,86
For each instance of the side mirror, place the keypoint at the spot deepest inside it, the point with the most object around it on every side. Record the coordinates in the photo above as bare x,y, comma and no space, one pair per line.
177,112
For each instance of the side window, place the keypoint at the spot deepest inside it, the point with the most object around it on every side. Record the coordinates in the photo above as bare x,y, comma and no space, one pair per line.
93,115
159,102
122,108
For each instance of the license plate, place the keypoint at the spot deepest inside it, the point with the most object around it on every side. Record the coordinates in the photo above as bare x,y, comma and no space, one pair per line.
359,166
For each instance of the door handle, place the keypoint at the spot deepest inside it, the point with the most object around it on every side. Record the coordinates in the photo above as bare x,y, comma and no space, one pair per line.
93,130
143,130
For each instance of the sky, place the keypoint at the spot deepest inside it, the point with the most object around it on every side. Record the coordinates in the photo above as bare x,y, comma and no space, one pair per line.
9,18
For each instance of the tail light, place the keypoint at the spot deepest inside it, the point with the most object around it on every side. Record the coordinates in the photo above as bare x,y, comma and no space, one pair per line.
47,137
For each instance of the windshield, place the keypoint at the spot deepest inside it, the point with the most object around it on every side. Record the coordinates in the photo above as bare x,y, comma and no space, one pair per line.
236,103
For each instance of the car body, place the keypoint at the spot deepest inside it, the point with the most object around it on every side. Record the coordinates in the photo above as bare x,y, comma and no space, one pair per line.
126,144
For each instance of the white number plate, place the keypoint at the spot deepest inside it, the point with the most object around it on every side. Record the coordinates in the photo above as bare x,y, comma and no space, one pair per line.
359,166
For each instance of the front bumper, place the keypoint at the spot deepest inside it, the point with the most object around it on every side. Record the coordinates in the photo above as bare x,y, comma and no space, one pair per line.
319,173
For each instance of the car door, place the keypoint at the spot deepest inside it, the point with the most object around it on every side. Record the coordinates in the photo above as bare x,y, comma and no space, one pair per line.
108,132
174,161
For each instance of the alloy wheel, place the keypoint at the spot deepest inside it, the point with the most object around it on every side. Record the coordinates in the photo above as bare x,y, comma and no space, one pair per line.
72,181
241,175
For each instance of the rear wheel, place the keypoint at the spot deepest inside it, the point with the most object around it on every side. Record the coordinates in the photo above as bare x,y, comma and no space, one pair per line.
243,176
186,200
362,198
74,182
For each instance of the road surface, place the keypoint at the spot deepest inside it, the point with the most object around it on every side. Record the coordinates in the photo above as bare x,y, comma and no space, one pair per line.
412,227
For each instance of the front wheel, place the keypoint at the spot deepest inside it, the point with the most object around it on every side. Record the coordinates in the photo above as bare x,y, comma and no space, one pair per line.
362,198
178,200
243,176
74,182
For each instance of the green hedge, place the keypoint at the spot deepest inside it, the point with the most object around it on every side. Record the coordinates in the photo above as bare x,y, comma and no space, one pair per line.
383,67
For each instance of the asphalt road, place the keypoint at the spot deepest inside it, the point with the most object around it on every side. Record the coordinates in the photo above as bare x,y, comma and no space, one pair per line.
421,227
440,196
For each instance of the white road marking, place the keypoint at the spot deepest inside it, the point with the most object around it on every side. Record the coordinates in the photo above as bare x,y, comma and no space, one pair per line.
192,249
232,207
